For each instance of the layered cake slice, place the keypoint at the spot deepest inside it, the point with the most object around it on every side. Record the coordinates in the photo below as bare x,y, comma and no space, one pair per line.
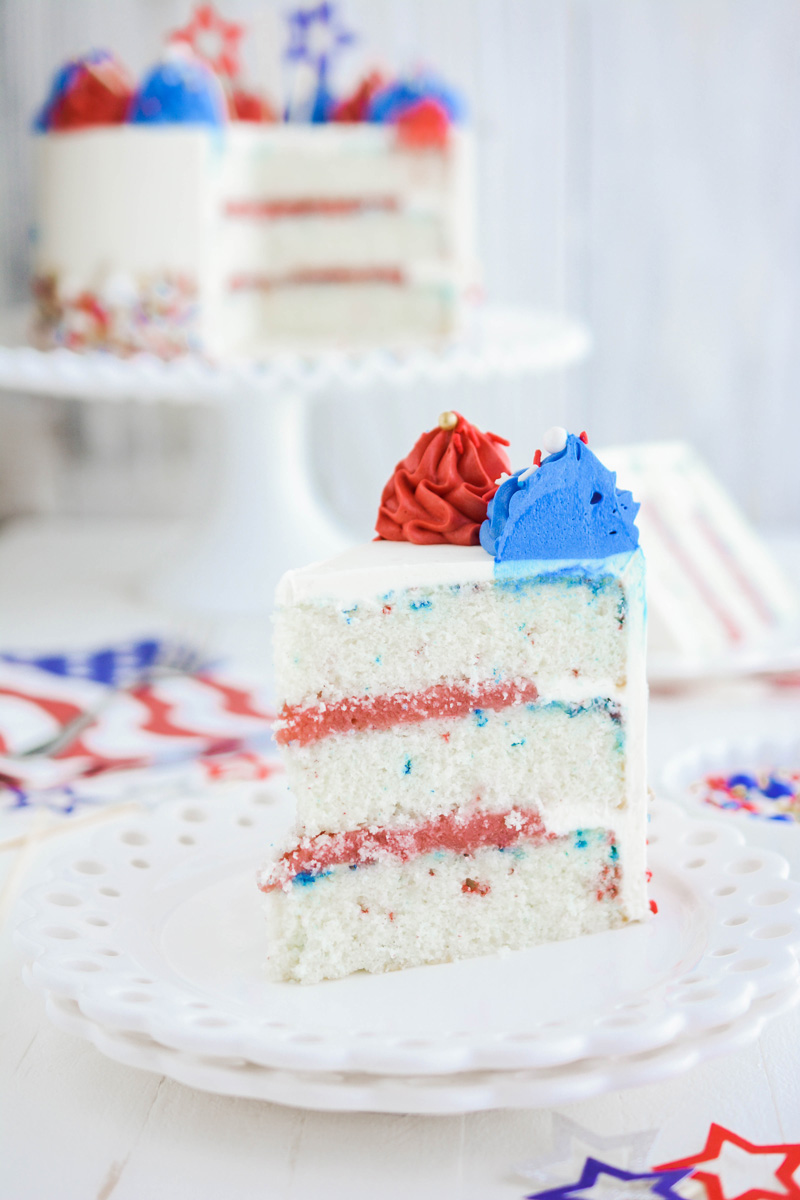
463,725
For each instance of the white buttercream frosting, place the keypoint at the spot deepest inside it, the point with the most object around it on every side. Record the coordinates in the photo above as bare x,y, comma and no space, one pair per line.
389,566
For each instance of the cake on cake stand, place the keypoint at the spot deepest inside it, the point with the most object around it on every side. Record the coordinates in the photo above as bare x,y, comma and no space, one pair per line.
267,516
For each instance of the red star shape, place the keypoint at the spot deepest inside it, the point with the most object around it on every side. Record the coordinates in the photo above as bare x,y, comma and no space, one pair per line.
205,26
717,1134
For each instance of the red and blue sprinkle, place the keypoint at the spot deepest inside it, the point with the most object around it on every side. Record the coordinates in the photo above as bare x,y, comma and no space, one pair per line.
772,794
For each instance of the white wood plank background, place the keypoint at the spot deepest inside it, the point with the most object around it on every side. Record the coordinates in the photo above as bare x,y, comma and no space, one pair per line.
639,166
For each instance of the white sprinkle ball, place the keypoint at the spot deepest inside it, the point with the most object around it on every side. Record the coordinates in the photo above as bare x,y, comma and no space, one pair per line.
177,52
502,478
555,439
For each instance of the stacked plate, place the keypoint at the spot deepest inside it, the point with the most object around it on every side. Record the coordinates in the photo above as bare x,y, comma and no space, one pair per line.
148,941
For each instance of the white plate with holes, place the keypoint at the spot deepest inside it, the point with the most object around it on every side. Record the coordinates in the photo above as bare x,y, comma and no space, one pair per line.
153,926
470,1091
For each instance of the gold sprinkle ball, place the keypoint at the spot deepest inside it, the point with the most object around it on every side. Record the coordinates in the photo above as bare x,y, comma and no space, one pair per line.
448,420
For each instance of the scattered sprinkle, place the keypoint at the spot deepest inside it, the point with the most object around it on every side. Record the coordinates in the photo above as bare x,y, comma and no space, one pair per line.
475,888
773,794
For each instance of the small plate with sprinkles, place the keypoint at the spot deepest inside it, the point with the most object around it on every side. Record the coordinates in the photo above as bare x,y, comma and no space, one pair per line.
754,782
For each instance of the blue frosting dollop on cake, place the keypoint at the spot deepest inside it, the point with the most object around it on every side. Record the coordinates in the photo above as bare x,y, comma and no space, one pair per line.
179,91
396,98
567,508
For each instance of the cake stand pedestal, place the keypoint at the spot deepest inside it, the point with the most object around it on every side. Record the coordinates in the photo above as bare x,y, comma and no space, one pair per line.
267,516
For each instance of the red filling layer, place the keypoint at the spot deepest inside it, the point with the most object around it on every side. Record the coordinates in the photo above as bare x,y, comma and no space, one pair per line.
456,832
318,275
306,725
310,206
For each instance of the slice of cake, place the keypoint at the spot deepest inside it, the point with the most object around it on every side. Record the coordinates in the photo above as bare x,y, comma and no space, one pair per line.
463,725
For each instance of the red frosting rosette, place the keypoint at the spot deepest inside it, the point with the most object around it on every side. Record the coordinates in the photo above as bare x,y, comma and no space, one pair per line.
440,491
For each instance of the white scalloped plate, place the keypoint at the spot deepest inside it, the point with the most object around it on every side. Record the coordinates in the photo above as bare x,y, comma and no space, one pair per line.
722,757
155,927
432,1094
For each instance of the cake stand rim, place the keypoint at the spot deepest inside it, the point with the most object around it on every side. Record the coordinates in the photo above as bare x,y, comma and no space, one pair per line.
502,340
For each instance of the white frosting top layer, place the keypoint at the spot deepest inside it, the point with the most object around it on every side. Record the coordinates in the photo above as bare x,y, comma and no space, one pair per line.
381,567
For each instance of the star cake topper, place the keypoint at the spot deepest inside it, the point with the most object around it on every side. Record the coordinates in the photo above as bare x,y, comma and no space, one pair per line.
213,39
718,1136
316,35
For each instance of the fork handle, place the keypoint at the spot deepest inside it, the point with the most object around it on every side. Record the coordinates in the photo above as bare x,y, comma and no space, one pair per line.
65,737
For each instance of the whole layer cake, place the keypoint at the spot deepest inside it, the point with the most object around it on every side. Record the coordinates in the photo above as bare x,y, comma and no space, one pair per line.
182,214
463,725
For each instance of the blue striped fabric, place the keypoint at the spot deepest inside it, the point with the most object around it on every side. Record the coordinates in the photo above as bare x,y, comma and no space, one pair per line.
114,666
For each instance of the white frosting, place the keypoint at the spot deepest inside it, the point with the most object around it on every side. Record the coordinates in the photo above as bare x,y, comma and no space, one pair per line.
377,567
121,200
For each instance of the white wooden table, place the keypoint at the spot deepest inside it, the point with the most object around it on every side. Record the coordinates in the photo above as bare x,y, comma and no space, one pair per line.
76,1126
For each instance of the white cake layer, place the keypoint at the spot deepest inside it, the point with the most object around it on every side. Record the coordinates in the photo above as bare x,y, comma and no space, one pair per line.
393,616
284,162
350,240
346,314
571,768
380,918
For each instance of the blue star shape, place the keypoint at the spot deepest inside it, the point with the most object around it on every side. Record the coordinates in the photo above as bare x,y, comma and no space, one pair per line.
663,1181
301,24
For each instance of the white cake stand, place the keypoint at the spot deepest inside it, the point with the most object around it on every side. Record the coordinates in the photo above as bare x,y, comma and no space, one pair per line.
267,516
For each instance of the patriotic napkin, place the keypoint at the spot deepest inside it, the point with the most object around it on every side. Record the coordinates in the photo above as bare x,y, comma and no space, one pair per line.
177,730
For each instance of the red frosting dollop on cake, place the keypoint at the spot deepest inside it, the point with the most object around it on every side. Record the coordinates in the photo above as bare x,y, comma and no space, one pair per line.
440,491
423,126
250,106
354,107
99,93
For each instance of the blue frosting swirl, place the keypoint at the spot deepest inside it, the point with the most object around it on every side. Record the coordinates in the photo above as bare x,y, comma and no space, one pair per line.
391,101
569,508
179,91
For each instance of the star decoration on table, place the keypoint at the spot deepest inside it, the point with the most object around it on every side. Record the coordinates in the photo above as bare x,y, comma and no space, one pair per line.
213,39
718,1136
659,1183
629,1150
